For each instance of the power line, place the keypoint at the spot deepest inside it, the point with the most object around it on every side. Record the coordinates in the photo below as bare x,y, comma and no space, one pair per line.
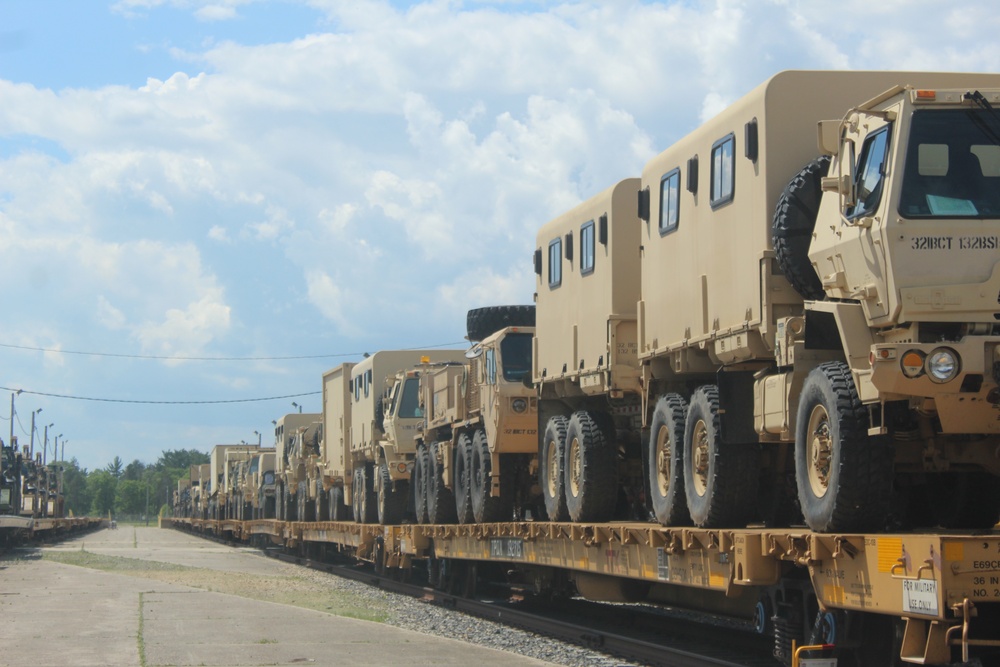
185,358
148,402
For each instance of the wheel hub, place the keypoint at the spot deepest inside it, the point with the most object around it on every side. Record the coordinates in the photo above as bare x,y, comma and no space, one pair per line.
552,468
819,450
575,465
700,457
663,453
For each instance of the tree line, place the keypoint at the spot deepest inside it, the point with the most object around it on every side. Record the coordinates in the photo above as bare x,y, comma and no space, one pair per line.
126,490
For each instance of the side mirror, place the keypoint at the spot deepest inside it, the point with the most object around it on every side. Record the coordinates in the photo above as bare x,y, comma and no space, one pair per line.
828,137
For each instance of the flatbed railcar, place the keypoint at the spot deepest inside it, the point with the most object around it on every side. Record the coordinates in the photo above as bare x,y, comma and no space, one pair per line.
920,598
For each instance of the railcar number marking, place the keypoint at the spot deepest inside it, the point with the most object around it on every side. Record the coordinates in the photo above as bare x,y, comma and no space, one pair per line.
507,547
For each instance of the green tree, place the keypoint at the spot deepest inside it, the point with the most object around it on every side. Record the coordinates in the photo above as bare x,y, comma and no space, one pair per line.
130,497
101,486
75,491
134,470
116,468
181,458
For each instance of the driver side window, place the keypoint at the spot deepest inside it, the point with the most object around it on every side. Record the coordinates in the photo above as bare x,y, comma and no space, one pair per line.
870,174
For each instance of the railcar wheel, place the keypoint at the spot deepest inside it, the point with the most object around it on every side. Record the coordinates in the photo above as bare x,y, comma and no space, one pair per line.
485,507
843,476
440,500
419,482
550,469
666,461
720,478
391,501
339,511
463,479
590,476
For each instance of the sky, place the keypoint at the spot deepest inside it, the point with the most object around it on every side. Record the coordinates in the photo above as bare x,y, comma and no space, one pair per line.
205,204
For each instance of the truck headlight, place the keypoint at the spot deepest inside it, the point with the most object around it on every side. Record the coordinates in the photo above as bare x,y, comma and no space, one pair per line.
942,365
519,405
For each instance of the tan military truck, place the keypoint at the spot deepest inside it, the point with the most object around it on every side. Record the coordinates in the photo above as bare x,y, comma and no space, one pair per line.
585,364
259,486
830,321
201,489
384,421
336,461
477,447
297,438
236,468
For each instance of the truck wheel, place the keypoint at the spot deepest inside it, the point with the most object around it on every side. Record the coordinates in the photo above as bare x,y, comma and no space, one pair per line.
419,482
440,500
792,228
481,322
720,478
357,490
666,461
485,507
463,479
590,476
843,476
290,514
391,501
550,469
338,508
367,502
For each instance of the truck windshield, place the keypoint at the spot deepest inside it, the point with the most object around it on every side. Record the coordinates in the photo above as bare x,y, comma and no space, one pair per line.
952,165
409,404
515,352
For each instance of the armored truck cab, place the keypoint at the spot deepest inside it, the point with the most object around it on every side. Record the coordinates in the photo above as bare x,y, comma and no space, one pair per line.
296,439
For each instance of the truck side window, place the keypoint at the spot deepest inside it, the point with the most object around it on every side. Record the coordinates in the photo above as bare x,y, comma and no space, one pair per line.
555,262
587,248
722,171
491,366
670,187
870,173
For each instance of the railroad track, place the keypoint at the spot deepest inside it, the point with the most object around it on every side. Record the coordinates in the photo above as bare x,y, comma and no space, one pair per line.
708,652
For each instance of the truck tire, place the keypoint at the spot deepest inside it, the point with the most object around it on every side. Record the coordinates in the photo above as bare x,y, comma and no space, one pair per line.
440,499
550,469
792,228
481,322
844,476
418,480
720,478
339,511
485,507
391,501
367,500
666,461
463,479
590,475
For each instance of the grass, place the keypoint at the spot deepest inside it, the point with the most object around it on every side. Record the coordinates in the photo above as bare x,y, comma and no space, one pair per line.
297,591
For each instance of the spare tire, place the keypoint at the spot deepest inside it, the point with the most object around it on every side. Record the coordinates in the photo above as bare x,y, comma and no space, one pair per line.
481,322
792,228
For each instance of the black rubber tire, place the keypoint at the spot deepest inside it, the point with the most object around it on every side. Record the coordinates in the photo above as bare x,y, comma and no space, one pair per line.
322,505
291,508
550,469
792,228
666,461
858,478
463,479
279,501
391,501
590,475
723,493
368,503
485,507
440,499
418,480
356,490
481,322
339,511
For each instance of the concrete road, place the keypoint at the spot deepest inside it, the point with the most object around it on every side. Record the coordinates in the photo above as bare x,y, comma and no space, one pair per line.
56,614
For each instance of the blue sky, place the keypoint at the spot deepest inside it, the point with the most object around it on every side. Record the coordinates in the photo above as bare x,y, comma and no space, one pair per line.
246,180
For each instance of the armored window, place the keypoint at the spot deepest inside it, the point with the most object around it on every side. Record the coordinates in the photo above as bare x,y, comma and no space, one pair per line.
368,382
409,404
357,388
515,355
870,173
587,248
722,171
555,262
670,207
491,366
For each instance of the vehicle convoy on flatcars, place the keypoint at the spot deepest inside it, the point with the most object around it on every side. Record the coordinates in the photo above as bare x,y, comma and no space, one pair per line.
790,318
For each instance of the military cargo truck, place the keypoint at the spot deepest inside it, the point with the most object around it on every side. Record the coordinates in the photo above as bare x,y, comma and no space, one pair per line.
337,464
201,489
384,421
477,446
296,443
585,364
840,308
259,486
